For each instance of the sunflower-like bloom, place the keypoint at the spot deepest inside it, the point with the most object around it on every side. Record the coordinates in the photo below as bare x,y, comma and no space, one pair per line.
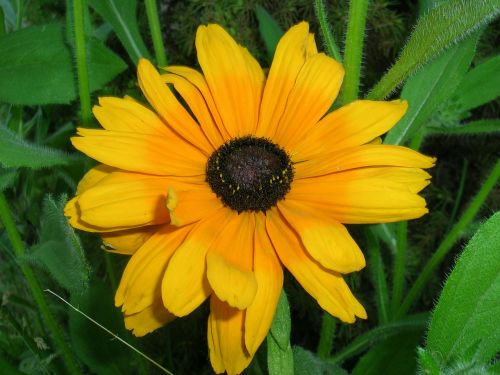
214,196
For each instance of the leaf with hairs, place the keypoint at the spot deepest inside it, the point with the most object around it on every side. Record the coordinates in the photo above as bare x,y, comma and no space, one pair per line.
439,29
279,350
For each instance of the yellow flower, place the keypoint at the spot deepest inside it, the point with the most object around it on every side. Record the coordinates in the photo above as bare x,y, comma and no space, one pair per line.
211,199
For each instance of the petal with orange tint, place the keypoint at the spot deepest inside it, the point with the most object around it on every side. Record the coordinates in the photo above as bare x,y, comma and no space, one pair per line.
327,287
363,156
168,107
125,200
191,204
142,153
365,195
352,125
313,93
185,285
140,284
269,276
126,115
289,57
149,319
197,79
230,261
234,77
197,104
73,214
326,240
226,338
127,241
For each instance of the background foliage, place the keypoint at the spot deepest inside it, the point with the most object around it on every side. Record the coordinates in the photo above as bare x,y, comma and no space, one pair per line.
441,55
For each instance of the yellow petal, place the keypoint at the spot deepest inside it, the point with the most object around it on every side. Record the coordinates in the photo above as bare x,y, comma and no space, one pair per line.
327,287
197,104
365,195
169,108
352,125
149,319
127,241
326,240
73,214
185,285
190,204
126,115
313,93
93,176
269,276
226,338
140,284
289,57
142,153
197,79
234,77
362,156
230,261
125,200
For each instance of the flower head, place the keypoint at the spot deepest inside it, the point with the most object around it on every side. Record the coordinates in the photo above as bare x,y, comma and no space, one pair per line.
213,198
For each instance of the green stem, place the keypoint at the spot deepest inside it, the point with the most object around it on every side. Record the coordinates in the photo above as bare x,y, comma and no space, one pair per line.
450,240
18,246
154,29
376,267
379,333
326,31
460,192
110,270
19,13
354,49
326,337
79,8
399,266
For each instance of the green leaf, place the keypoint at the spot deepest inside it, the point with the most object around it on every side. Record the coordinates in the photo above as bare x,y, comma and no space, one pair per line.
16,152
269,29
394,356
305,363
471,128
7,177
279,351
480,85
46,74
93,346
440,28
122,17
59,249
430,87
465,322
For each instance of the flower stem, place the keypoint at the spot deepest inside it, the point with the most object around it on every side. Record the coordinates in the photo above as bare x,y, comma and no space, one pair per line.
376,266
326,336
154,28
18,246
450,239
354,49
79,7
326,31
399,266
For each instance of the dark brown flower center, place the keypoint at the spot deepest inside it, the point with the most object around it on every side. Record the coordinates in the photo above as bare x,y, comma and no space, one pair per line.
249,173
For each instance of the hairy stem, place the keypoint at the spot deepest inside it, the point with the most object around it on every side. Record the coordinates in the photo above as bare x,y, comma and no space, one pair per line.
326,336
326,31
354,49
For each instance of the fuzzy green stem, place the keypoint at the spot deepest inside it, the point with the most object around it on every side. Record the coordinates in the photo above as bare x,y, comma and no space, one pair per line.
18,246
354,49
460,192
326,31
399,266
450,239
155,30
79,7
326,337
376,267
19,13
